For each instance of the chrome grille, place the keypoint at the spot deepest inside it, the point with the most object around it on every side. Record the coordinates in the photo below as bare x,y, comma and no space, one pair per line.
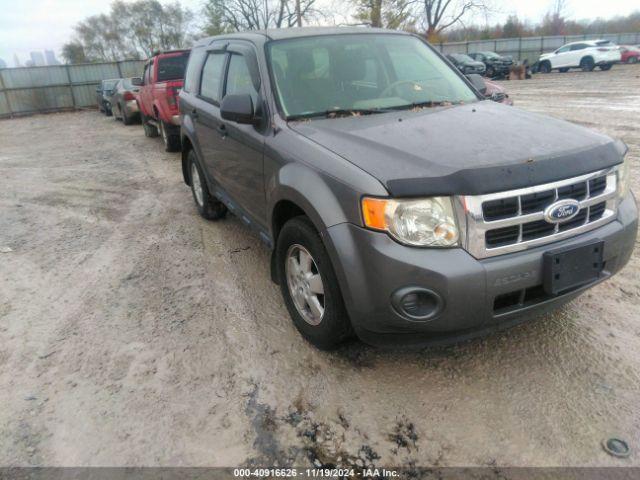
509,221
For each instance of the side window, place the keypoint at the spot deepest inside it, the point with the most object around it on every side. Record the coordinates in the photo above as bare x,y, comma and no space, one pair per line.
578,46
212,76
563,49
239,79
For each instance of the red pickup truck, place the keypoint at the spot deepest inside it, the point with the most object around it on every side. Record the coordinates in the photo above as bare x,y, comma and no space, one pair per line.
158,96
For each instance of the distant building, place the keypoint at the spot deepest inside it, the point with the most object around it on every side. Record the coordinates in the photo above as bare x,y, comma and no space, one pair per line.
37,58
16,61
3,64
51,57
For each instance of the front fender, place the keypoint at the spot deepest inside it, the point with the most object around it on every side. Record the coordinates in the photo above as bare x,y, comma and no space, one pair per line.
322,198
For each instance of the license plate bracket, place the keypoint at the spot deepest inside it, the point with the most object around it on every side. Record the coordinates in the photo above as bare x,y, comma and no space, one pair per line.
570,267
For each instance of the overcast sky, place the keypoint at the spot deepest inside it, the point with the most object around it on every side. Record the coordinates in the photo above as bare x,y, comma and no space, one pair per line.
27,25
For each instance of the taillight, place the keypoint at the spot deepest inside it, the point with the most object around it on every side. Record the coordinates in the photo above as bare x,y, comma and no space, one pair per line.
129,96
172,93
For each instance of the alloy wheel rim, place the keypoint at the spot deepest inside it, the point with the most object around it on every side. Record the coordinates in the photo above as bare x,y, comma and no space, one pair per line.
305,284
197,185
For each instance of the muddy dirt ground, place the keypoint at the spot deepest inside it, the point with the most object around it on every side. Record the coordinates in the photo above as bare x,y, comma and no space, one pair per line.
133,332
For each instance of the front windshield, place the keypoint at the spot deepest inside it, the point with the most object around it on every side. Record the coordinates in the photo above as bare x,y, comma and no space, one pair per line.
361,72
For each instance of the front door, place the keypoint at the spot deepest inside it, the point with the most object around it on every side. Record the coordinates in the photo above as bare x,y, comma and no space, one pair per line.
241,162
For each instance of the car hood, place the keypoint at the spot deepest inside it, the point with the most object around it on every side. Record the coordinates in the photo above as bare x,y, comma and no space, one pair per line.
476,148
544,56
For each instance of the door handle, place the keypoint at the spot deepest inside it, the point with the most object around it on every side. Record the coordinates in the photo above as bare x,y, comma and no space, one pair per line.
222,129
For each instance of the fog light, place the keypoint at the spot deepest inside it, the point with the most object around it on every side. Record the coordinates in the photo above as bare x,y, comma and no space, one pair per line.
417,304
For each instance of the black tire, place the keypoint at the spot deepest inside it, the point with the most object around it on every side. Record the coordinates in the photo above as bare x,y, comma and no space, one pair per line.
606,66
126,119
210,207
335,326
149,130
587,64
563,70
545,67
632,60
490,72
107,110
171,140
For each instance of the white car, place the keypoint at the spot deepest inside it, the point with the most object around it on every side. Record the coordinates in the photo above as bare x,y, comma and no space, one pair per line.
586,54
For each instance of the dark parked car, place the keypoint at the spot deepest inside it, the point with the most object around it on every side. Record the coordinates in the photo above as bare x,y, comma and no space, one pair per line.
496,65
400,204
123,101
466,64
104,90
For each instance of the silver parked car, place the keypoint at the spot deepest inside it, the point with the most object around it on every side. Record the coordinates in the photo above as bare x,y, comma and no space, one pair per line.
124,103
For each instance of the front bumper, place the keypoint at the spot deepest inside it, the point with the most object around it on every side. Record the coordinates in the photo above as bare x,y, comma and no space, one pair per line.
371,267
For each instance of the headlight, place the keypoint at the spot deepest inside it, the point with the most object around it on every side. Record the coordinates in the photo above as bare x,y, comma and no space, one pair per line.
428,222
623,179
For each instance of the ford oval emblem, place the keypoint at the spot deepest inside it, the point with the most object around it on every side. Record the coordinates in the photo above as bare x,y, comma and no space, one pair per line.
561,211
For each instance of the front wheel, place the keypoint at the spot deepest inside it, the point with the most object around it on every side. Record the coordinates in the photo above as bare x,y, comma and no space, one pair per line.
309,285
208,206
490,72
545,67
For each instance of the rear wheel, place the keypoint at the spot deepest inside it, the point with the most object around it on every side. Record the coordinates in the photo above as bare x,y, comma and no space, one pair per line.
606,66
208,206
170,139
587,64
632,60
149,130
545,67
309,285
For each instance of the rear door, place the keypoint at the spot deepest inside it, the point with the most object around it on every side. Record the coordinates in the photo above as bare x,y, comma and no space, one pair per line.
241,161
576,53
205,111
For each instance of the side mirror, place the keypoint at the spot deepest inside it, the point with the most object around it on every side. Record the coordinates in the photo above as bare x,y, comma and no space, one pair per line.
478,82
238,108
136,81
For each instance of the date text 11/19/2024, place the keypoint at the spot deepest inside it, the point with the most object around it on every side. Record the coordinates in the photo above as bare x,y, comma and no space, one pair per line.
315,473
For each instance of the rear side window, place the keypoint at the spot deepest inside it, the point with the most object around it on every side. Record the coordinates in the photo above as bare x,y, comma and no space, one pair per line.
193,69
212,76
172,68
578,46
239,78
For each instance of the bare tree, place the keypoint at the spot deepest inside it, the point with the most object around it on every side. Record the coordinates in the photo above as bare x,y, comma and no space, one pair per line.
132,30
238,15
442,14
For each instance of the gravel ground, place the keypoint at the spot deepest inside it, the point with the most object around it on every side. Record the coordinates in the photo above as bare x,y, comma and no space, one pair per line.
133,332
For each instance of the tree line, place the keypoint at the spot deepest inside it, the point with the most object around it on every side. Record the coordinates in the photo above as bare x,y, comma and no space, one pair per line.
135,30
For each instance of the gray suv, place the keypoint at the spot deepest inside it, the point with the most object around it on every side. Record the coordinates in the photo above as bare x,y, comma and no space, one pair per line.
372,169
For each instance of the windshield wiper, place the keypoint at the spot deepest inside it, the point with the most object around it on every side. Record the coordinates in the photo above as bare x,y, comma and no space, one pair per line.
339,112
